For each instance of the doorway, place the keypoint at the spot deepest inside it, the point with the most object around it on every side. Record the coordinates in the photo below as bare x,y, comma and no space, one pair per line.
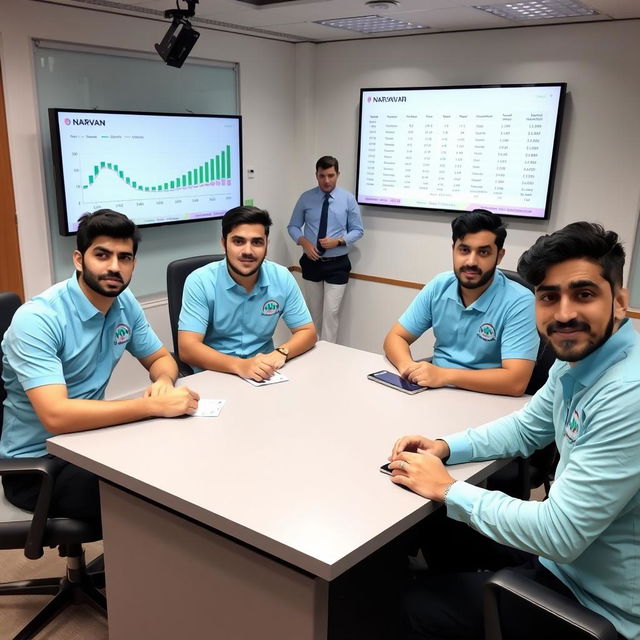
10,266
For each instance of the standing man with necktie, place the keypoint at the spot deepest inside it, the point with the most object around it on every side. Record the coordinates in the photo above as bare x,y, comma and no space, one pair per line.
325,222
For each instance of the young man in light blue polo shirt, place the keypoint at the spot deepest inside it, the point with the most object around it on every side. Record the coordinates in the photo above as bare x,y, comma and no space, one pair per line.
583,540
60,352
230,308
483,323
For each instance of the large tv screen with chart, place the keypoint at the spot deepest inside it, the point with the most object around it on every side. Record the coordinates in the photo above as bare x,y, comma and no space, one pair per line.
461,148
156,168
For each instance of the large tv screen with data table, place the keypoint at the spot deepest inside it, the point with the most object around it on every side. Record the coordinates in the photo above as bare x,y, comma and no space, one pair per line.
156,168
461,148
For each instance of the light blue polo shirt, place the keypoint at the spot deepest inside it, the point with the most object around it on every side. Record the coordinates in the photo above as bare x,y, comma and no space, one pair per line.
59,337
236,322
498,326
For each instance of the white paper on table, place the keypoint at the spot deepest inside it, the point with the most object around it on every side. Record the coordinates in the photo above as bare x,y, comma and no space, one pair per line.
208,408
274,379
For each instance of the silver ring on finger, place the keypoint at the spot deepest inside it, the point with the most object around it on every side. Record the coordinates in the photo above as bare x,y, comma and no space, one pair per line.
402,464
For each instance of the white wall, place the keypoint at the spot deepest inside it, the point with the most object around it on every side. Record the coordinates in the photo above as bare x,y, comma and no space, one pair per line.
267,72
599,162
301,101
267,99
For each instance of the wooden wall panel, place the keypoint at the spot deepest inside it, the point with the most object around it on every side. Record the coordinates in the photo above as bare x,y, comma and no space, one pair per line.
10,266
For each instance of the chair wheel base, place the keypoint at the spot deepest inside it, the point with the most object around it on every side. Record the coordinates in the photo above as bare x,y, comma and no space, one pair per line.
66,593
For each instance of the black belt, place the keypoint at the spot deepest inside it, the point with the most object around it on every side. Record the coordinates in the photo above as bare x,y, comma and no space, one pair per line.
323,259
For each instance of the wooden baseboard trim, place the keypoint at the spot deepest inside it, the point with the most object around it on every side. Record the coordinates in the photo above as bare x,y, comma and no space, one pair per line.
631,313
362,276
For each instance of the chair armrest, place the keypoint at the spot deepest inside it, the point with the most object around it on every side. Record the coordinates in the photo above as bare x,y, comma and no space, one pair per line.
26,466
524,478
43,467
590,624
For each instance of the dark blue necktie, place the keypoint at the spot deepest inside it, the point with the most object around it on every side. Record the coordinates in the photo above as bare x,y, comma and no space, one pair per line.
322,228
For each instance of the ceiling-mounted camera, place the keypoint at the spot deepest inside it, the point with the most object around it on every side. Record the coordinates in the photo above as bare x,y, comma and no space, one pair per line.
180,37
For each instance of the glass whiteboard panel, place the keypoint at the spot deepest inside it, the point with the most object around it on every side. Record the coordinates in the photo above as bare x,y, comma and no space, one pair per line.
77,79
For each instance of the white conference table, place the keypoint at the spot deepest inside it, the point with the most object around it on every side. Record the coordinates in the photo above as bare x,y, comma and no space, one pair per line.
239,523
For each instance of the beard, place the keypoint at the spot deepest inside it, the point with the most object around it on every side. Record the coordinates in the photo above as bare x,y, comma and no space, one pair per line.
242,274
566,352
94,282
484,277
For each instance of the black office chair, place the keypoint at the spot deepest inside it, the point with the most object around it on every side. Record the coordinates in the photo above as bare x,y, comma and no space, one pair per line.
546,357
522,474
548,614
32,531
177,272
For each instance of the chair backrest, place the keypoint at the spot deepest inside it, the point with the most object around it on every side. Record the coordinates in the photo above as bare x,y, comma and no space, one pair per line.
546,357
177,272
544,361
516,277
512,600
9,303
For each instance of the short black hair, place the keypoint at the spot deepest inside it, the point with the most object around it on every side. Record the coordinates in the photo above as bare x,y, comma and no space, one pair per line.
245,215
105,222
479,220
326,162
586,240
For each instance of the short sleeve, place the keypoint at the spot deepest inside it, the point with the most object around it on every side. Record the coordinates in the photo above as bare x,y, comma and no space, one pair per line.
31,348
296,312
418,317
144,340
520,337
194,315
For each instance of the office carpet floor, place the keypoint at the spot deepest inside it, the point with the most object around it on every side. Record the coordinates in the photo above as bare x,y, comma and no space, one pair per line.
76,623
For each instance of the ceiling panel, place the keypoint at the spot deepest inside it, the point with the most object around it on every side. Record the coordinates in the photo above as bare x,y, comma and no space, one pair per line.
305,12
456,18
618,9
294,21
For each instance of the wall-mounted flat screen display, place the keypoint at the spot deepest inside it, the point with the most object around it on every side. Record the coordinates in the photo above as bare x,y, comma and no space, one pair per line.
460,148
156,168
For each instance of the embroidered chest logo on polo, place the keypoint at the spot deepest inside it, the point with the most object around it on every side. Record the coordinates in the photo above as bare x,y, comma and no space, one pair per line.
122,334
270,308
487,332
572,429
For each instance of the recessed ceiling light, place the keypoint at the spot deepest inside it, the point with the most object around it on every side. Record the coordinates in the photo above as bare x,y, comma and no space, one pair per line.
370,24
382,4
538,9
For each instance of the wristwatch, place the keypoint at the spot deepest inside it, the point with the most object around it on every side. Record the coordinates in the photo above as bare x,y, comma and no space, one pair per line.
284,351
342,243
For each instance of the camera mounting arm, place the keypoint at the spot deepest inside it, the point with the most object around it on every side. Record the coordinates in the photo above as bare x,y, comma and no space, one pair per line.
178,13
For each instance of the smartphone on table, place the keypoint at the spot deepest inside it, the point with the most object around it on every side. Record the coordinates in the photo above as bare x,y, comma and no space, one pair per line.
395,381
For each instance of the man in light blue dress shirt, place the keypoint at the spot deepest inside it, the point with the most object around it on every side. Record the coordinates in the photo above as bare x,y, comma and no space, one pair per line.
325,222
583,540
